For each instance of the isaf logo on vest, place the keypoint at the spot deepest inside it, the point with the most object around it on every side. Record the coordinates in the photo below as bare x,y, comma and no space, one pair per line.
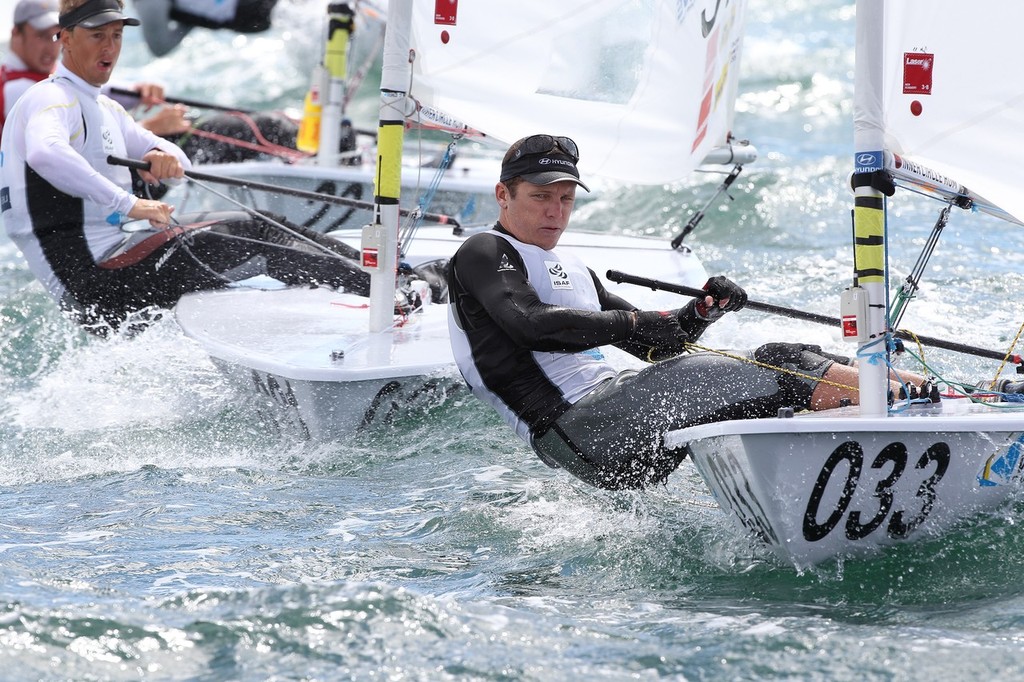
108,141
559,277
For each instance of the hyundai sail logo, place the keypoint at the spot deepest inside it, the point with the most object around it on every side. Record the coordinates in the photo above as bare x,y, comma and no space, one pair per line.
867,162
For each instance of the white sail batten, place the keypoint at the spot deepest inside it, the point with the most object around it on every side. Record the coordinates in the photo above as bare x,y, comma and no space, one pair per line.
604,72
952,99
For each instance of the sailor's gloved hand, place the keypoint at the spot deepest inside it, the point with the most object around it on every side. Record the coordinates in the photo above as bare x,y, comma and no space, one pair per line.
724,296
659,331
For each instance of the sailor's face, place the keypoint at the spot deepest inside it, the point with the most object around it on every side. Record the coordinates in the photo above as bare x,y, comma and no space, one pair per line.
537,214
39,49
92,53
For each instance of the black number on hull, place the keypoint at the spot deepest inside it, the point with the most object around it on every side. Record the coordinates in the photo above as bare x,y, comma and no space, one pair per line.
851,453
353,190
735,488
857,528
897,454
281,394
940,454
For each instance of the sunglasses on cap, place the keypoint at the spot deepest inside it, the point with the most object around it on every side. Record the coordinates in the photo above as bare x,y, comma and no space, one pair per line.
542,144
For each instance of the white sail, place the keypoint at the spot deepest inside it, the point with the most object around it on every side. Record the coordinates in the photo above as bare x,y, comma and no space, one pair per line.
952,97
645,87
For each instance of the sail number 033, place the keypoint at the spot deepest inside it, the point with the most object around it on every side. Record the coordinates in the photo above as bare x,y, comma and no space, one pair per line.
861,523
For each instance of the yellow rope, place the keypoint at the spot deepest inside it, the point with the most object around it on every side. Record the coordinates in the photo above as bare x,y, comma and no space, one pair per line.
1006,358
772,367
912,335
920,346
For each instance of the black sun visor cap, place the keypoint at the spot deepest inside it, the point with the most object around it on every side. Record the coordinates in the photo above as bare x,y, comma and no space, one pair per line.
96,13
543,160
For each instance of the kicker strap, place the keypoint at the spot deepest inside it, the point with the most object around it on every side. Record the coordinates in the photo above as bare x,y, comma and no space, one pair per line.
133,253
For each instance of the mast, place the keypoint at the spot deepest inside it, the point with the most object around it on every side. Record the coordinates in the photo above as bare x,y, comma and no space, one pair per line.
339,32
380,240
869,211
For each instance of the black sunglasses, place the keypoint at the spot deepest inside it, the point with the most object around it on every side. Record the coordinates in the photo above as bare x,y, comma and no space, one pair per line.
542,144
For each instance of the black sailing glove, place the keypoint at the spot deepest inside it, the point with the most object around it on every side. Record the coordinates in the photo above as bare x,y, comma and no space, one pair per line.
728,296
659,332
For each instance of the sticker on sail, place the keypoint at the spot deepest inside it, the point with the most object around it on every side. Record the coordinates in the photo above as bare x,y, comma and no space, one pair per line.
917,73
559,277
446,12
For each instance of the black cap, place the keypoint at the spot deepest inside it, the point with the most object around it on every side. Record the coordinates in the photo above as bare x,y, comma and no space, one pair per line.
96,13
543,169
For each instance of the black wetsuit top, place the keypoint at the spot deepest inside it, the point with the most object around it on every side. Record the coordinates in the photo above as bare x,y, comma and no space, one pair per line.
527,326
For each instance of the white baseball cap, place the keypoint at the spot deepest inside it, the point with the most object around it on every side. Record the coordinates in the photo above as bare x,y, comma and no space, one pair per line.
40,14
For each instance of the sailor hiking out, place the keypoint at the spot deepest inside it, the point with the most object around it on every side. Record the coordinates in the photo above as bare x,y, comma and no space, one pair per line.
65,206
528,322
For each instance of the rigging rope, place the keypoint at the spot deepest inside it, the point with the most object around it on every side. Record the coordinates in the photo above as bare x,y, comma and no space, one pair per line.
262,216
425,200
758,363
411,301
262,144
961,389
1009,354
907,291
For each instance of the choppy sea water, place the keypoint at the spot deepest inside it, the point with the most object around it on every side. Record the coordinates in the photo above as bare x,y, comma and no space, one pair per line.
153,527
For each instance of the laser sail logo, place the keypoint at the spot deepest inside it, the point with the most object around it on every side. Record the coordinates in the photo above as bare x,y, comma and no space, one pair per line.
917,73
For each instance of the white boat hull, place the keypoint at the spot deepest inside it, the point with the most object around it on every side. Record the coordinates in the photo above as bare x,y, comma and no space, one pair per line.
309,358
285,343
831,484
